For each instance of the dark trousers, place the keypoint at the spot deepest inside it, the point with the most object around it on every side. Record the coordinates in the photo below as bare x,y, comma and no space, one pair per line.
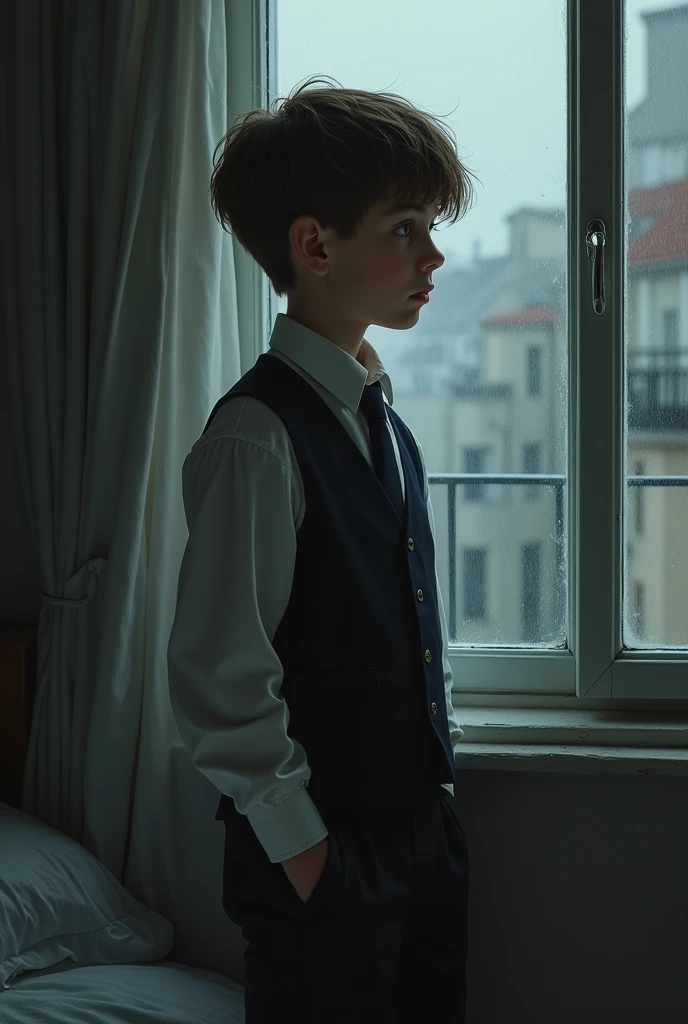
381,938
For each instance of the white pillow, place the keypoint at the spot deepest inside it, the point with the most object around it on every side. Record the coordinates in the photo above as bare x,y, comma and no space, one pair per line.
58,902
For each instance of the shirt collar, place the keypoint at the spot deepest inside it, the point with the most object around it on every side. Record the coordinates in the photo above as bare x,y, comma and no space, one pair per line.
330,365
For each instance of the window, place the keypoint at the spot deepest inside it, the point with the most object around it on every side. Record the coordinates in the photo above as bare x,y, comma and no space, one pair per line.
583,179
534,370
670,328
477,461
475,583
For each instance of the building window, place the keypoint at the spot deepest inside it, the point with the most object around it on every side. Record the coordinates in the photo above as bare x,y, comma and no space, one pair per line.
474,583
534,369
476,460
670,328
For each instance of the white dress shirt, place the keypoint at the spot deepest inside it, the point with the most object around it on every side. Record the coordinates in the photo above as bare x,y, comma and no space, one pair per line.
244,504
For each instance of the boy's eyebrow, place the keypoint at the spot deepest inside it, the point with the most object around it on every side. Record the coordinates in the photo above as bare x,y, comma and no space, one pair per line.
399,208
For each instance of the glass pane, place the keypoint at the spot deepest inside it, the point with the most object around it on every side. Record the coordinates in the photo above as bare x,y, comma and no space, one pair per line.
656,334
480,376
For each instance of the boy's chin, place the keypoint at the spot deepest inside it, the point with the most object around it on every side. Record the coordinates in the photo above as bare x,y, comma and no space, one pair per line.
404,320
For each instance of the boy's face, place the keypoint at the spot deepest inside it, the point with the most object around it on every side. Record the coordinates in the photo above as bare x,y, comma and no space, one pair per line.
344,286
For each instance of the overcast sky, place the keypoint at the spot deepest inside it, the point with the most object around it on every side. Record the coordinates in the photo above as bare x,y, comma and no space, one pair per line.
495,70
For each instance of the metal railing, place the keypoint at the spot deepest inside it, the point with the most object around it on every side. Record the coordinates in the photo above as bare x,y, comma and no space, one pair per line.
556,480
658,389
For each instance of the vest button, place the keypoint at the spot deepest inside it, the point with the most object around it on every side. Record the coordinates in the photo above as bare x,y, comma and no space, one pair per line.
428,656
433,708
411,545
419,594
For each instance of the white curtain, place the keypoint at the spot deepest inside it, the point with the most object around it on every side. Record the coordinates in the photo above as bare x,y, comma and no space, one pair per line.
120,315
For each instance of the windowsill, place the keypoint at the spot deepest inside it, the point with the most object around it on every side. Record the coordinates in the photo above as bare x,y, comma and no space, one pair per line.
577,742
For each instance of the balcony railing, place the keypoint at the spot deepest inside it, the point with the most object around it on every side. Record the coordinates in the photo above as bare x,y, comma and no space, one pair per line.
658,394
558,481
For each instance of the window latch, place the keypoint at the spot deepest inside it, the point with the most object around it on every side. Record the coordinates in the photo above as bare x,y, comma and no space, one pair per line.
594,239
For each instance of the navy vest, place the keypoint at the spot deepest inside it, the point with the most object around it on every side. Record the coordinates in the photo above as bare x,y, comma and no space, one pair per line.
360,641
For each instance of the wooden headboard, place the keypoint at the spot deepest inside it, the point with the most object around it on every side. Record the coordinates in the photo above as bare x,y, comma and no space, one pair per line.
17,687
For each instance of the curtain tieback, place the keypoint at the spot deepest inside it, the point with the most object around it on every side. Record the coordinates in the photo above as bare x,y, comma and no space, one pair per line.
83,584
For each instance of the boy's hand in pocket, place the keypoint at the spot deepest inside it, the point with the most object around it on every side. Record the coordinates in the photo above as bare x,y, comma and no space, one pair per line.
304,870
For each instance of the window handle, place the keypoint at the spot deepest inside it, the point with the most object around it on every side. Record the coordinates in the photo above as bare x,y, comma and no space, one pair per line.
594,240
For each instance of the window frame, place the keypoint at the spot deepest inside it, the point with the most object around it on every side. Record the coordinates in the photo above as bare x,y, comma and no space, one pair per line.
593,672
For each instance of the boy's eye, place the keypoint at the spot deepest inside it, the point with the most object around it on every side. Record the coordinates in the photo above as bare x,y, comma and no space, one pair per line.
408,224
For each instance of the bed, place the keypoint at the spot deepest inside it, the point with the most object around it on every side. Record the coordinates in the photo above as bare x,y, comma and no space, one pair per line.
75,946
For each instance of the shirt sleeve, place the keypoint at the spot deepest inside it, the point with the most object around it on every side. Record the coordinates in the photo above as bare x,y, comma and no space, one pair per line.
224,675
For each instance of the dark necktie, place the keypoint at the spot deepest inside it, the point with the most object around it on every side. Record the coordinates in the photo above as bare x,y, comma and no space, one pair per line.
372,406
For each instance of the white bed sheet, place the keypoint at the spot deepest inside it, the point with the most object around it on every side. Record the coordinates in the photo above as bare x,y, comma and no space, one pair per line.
162,993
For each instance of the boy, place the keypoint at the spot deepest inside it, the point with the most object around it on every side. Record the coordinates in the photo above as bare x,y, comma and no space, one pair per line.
307,665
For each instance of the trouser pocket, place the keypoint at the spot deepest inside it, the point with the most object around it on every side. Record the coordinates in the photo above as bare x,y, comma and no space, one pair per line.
323,889
449,805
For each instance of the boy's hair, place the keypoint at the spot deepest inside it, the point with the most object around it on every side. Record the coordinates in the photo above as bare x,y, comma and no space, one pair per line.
332,153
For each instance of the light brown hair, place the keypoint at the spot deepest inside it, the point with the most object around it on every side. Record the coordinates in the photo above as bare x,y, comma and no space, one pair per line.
331,153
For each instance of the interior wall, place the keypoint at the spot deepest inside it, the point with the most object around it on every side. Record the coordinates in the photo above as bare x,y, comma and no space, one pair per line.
578,905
